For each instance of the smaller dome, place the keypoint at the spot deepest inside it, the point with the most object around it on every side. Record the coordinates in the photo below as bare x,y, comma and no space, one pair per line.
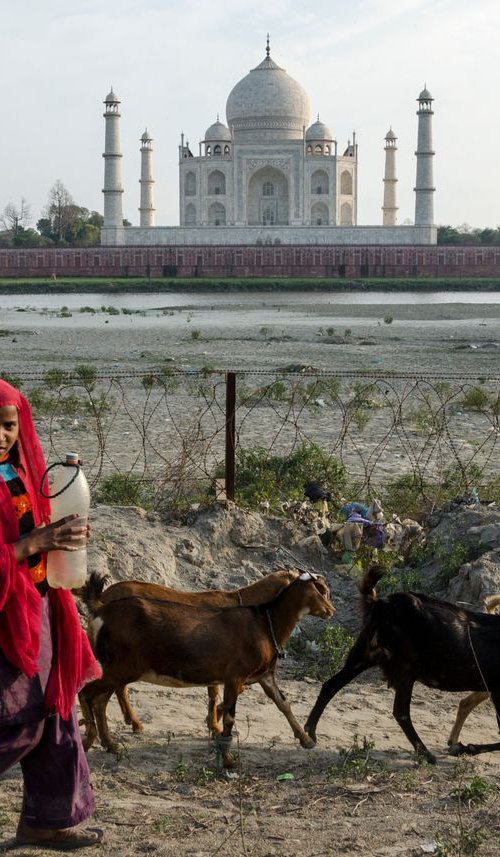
425,95
218,132
112,98
146,137
390,135
319,131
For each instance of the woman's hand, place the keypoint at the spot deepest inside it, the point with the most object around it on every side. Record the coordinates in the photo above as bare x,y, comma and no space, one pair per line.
67,534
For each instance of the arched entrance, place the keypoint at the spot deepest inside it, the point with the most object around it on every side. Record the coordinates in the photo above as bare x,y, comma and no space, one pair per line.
267,198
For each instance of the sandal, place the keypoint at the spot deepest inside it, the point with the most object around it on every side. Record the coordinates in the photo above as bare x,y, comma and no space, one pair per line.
67,839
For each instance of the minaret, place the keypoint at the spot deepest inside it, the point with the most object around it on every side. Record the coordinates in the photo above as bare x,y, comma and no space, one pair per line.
147,206
389,208
113,187
424,189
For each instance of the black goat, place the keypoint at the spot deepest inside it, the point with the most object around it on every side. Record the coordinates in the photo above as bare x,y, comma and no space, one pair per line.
413,637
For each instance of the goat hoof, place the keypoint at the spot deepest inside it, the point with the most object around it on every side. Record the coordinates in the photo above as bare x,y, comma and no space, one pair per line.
457,749
228,761
460,749
137,727
424,756
311,733
307,742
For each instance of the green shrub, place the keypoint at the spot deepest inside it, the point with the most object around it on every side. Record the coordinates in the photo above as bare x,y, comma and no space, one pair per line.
55,378
41,402
12,379
452,560
263,476
334,643
87,375
388,319
476,791
475,399
406,579
355,762
124,489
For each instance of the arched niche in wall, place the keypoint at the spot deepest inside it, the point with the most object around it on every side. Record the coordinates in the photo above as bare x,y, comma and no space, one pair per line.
346,214
190,215
319,214
216,214
268,198
190,184
216,183
346,183
319,182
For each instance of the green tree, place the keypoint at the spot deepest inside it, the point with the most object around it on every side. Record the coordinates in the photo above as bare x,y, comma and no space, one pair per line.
67,224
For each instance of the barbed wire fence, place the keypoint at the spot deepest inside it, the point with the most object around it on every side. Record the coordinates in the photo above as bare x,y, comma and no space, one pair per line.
175,436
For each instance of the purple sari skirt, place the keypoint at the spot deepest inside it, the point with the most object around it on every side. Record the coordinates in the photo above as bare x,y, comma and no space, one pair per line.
57,789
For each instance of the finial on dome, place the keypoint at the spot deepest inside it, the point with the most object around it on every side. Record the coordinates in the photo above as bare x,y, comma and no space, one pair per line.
268,48
218,117
318,118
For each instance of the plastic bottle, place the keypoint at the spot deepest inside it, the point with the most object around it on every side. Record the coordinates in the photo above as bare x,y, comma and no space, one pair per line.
69,493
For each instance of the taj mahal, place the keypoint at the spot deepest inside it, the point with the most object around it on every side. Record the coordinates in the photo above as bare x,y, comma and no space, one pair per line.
268,176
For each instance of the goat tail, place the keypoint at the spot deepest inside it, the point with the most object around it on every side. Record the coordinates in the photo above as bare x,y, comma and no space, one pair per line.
92,591
367,585
492,603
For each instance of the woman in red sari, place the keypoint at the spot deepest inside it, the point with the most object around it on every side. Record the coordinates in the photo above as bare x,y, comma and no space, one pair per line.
45,656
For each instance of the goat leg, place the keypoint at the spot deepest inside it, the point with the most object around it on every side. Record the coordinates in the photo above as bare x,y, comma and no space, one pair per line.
94,698
401,712
268,684
130,716
214,710
100,705
474,749
465,706
231,693
89,721
355,664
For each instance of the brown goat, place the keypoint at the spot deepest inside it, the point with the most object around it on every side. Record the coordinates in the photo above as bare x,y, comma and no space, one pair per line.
413,637
470,702
260,592
182,645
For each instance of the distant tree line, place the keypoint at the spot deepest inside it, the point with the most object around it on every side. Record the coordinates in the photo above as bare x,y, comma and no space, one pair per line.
466,234
63,223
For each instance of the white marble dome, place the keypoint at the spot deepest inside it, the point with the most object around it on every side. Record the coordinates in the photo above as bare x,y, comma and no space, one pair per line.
111,98
268,100
218,132
425,95
319,131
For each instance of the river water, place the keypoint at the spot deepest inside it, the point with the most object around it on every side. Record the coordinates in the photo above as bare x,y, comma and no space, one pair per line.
252,300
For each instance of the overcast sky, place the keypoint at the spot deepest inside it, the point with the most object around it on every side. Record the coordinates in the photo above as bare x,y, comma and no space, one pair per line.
173,64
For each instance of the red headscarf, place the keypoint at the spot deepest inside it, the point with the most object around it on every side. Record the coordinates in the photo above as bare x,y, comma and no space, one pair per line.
20,606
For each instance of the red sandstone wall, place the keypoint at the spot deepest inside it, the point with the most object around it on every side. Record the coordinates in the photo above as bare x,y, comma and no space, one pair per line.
250,261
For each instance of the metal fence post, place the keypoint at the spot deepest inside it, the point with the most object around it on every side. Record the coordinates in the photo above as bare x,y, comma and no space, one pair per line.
230,433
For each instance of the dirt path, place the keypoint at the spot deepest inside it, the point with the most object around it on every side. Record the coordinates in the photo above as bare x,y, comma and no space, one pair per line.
163,796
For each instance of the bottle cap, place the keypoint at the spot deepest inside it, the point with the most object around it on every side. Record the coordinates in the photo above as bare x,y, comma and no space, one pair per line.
72,458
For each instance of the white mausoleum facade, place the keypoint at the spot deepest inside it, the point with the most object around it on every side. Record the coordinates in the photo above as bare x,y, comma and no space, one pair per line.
267,175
